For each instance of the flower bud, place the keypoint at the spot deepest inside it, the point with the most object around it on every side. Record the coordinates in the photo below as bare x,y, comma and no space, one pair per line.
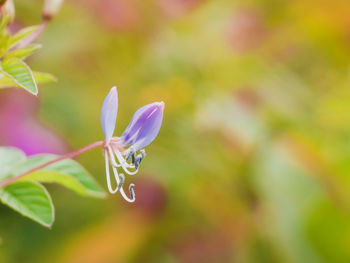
144,126
51,8
7,10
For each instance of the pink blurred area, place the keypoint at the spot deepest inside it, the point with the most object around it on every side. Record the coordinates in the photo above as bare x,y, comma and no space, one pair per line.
21,128
115,15
130,15
176,8
246,30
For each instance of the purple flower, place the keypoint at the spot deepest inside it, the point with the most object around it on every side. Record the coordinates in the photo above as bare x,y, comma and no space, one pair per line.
109,113
126,152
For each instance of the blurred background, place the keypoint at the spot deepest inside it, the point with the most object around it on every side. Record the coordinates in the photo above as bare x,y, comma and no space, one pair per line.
252,163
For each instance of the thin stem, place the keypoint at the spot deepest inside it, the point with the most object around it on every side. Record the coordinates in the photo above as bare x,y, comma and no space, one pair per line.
66,156
32,37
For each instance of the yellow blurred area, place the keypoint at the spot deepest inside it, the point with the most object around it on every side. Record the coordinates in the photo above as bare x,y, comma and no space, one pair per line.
252,163
176,92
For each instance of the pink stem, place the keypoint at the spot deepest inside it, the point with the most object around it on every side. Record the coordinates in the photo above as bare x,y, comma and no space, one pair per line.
31,38
66,156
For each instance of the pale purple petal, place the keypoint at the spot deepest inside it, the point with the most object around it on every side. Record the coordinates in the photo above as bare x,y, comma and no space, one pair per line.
109,113
144,126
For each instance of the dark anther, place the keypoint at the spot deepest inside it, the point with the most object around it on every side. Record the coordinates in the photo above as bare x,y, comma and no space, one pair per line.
132,192
122,179
129,155
136,159
139,158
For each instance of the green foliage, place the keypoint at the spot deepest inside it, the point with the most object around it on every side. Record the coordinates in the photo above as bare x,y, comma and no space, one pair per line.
3,22
30,198
66,172
21,35
226,186
23,53
9,158
16,73
39,77
20,73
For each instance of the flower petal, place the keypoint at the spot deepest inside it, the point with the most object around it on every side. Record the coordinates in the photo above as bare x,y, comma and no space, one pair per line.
144,126
109,113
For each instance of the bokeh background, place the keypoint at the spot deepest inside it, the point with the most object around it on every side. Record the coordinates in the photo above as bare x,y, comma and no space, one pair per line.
252,163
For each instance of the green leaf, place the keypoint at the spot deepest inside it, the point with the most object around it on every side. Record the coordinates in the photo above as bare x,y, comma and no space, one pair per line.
20,73
23,53
4,42
29,197
3,22
22,34
10,157
41,77
67,172
31,200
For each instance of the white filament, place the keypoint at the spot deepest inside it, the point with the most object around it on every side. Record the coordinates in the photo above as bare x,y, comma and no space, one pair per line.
124,164
118,179
108,178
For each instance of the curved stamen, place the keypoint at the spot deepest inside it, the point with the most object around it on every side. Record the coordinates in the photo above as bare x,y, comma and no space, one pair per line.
120,187
125,160
135,159
131,190
112,159
115,171
115,146
120,179
108,178
139,158
131,154
124,164
121,160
